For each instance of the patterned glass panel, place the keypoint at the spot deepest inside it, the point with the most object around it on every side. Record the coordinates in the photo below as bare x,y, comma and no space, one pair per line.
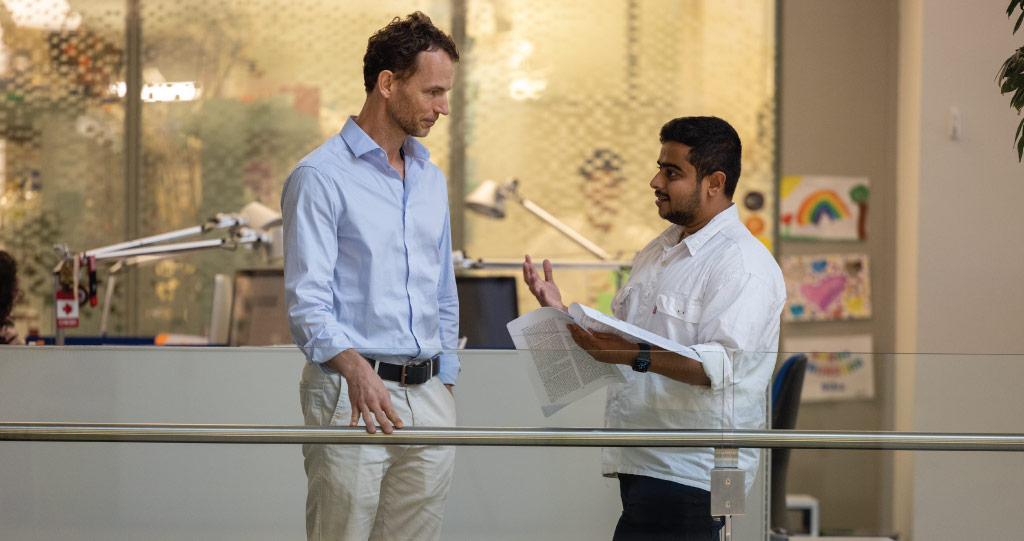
274,80
569,97
61,139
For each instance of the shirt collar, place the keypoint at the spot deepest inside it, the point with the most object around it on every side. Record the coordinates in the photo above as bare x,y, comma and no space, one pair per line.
361,144
696,241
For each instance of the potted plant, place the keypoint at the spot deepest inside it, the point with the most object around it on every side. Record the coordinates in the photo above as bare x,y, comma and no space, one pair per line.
1011,77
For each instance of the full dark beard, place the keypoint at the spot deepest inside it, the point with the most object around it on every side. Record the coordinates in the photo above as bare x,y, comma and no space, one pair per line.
680,217
688,213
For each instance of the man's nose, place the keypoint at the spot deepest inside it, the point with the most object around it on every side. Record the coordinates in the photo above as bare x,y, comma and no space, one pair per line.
656,181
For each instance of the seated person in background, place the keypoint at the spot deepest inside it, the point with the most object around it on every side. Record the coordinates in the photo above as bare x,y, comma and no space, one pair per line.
8,296
705,282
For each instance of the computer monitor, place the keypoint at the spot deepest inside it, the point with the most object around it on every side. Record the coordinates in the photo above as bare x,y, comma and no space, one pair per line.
486,305
259,315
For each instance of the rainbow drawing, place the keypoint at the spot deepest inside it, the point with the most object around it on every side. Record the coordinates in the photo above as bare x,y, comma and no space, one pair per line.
823,207
821,204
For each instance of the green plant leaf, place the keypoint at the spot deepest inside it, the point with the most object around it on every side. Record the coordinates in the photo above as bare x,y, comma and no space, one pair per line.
1020,143
1019,19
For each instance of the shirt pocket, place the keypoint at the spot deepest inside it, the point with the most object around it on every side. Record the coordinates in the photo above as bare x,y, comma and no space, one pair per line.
620,303
679,307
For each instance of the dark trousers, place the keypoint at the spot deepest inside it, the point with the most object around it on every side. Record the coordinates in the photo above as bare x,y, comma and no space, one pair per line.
657,509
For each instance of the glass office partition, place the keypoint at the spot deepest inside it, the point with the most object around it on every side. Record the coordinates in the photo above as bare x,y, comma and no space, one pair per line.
566,97
61,138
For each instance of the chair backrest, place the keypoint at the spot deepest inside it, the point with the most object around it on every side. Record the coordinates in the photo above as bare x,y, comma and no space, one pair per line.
786,387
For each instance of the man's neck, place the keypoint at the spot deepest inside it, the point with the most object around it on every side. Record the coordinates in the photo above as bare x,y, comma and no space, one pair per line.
377,126
375,123
691,229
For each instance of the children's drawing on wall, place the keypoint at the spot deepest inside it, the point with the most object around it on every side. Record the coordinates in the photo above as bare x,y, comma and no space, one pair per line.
838,367
827,287
823,208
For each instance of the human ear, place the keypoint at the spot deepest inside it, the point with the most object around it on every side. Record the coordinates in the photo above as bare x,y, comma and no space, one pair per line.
716,182
386,82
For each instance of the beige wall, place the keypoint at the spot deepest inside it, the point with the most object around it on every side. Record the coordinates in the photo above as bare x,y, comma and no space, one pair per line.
867,88
967,268
838,74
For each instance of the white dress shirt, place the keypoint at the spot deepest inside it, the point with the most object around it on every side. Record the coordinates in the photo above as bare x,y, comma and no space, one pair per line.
721,292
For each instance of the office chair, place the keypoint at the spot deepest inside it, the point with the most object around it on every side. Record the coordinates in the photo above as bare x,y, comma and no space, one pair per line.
786,389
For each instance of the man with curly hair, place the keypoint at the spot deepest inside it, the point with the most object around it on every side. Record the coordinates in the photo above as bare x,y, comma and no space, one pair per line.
371,295
8,296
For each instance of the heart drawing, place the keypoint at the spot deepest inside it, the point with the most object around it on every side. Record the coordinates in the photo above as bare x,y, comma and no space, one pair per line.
825,292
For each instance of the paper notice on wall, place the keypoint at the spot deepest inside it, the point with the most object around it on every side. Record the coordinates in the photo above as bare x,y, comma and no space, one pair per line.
838,367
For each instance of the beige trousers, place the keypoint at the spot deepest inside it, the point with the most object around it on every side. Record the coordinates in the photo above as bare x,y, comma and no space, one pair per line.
375,492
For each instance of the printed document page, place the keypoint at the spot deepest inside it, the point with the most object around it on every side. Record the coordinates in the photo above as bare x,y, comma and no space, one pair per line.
560,371
594,320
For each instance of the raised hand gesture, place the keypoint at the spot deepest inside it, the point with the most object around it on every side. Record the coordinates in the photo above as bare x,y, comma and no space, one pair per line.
544,289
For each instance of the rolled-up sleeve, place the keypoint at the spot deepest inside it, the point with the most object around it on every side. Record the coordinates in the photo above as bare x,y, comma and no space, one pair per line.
310,209
733,320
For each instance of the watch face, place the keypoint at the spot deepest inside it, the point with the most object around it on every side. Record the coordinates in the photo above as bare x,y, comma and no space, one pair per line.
641,365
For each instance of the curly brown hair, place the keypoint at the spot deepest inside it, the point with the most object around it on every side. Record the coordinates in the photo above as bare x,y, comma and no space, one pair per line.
396,46
8,286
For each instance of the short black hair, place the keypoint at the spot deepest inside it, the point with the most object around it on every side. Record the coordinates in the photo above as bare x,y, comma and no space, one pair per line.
396,46
8,286
714,146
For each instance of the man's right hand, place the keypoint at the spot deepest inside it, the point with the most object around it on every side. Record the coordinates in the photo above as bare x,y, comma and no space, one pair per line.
366,392
544,289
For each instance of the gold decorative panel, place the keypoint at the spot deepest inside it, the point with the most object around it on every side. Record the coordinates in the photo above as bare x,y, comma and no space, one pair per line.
567,97
61,138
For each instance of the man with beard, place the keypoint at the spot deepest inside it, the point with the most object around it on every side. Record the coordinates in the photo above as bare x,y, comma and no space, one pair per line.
371,294
704,282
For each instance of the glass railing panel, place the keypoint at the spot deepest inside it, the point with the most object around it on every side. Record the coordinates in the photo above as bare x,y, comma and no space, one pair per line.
90,490
227,491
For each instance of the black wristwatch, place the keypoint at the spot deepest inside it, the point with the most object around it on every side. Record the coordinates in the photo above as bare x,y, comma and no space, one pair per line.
643,358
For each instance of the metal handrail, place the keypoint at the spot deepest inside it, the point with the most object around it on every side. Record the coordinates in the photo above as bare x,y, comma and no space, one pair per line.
553,437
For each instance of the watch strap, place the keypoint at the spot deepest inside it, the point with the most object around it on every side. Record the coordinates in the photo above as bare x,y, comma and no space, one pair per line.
642,361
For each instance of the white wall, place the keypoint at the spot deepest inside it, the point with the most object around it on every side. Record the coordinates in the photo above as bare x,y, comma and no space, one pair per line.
967,265
838,77
971,191
114,491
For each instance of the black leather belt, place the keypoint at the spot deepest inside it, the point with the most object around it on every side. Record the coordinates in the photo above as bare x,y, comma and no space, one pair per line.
413,373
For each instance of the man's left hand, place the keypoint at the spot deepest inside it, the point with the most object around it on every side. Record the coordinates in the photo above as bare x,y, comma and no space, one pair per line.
604,347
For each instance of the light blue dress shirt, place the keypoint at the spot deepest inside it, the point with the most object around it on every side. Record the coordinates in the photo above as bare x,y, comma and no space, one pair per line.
368,256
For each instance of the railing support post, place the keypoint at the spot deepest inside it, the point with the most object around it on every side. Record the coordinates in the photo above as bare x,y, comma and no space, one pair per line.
728,497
